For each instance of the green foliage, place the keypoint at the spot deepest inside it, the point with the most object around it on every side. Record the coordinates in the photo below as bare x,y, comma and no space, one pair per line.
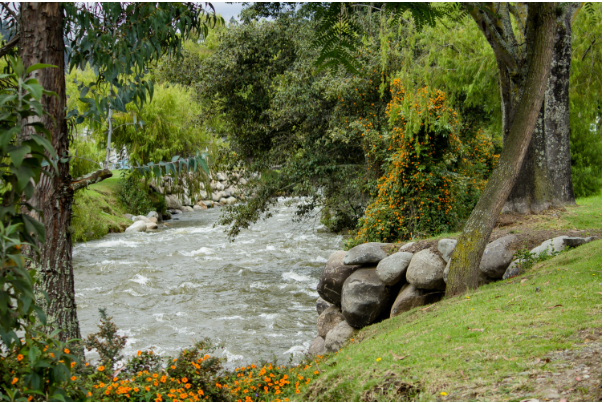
33,364
134,195
526,259
585,94
106,341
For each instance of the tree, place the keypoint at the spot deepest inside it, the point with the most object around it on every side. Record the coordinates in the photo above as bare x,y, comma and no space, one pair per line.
520,117
119,40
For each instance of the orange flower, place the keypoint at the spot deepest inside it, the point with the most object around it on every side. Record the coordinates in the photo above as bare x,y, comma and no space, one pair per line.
19,357
66,351
101,368
188,386
73,378
15,380
185,380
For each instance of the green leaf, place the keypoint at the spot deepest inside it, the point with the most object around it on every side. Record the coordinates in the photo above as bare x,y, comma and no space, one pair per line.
17,153
38,66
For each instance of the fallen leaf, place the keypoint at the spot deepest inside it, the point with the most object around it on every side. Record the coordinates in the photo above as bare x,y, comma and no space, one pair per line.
509,295
519,333
546,283
578,379
508,359
428,307
461,372
399,357
522,281
598,292
555,306
476,330
538,360
458,348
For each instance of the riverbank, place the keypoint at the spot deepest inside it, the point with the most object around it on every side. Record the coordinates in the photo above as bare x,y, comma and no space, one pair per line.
97,211
536,336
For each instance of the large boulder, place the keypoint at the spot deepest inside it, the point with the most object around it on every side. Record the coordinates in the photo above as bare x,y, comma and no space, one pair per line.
138,226
425,271
172,202
366,253
198,208
497,257
141,218
573,242
328,320
364,298
406,246
317,347
151,225
513,270
333,277
186,209
321,305
550,246
152,214
153,220
410,297
392,270
446,247
337,336
216,196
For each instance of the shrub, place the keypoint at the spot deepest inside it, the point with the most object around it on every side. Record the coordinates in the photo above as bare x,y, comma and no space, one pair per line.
433,177
136,197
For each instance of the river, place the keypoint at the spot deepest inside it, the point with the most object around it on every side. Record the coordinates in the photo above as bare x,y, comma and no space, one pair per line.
167,288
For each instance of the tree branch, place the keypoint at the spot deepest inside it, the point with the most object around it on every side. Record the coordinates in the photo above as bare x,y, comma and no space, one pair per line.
90,179
9,46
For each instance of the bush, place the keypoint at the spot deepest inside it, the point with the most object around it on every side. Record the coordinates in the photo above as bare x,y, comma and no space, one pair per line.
136,196
434,176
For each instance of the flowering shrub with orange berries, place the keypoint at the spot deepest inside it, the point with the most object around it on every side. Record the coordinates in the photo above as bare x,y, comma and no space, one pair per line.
433,177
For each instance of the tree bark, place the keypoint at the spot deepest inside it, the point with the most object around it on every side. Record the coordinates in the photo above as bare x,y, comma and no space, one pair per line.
464,272
41,41
545,179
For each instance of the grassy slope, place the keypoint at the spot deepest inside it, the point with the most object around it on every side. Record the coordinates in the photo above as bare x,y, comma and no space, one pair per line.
96,211
444,355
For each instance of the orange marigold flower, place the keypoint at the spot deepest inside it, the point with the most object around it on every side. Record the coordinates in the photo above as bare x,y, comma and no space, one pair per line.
101,368
15,380
188,386
66,351
73,378
185,380
19,357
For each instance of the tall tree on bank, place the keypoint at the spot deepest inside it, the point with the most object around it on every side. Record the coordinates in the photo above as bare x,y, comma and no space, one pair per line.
538,31
41,41
545,178
120,41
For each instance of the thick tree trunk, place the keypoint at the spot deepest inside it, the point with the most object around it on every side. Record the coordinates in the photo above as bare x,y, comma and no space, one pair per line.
464,272
557,111
545,178
41,41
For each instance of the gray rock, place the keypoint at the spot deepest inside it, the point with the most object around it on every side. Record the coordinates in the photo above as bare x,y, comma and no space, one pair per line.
322,305
231,200
172,202
392,269
208,203
198,208
425,271
138,226
317,347
333,277
222,201
550,246
513,270
366,253
186,209
186,200
364,298
221,176
573,242
219,186
497,257
142,218
446,271
216,196
152,214
410,297
153,220
243,181
446,247
406,246
128,216
328,320
337,336
151,225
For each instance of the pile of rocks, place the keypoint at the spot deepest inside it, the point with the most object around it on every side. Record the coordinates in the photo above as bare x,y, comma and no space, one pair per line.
143,223
366,285
223,191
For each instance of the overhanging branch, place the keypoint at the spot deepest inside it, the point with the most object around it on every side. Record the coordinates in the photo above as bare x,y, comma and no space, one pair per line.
9,46
90,179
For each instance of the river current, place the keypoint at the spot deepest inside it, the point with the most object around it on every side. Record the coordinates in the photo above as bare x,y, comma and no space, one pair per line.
166,289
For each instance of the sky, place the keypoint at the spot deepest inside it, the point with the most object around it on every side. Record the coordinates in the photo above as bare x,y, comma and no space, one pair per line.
227,10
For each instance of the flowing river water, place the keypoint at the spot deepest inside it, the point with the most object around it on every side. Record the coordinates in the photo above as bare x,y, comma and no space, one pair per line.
168,288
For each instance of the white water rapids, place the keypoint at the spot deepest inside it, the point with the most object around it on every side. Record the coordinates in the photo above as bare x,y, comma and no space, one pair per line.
167,288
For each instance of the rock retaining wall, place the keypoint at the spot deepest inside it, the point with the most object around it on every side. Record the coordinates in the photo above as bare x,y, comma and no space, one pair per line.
369,283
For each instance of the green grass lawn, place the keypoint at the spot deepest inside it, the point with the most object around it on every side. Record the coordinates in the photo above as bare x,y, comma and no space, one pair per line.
97,212
468,347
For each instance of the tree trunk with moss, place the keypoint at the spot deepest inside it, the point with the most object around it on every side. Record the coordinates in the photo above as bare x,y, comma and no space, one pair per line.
545,178
41,41
538,29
